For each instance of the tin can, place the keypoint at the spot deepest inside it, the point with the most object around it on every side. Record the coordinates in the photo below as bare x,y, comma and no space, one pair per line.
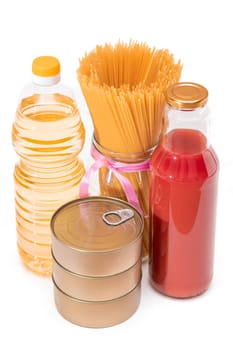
96,288
97,314
97,236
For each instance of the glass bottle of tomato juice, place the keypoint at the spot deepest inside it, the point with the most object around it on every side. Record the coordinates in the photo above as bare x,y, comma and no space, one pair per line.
183,196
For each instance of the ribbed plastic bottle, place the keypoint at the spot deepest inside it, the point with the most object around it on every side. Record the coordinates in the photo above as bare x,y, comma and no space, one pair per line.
48,135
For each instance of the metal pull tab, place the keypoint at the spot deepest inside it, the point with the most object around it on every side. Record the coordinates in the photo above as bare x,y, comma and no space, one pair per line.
122,215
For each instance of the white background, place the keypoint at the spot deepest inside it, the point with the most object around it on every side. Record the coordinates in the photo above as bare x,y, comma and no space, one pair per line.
200,34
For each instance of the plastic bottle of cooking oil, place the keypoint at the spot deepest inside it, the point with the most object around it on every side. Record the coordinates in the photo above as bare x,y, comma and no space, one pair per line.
47,134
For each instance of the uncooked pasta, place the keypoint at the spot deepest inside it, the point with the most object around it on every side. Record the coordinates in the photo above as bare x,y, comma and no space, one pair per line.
124,87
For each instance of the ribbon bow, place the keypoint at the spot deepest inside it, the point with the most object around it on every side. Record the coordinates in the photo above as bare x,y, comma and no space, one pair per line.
117,168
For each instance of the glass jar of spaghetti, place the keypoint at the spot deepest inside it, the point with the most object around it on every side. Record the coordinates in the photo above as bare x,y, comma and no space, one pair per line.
183,197
121,175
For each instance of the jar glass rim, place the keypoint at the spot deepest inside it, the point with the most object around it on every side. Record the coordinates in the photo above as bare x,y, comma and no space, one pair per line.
120,156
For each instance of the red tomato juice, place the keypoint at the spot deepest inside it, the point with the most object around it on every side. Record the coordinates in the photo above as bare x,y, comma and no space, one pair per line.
183,200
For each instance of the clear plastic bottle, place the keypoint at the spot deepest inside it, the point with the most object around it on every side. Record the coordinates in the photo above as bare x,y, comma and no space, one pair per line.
47,134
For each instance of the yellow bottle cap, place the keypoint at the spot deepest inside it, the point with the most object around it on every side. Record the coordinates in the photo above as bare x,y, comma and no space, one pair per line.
186,95
46,66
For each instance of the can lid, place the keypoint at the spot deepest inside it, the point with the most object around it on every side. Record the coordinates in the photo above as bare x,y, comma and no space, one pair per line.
186,95
46,66
97,224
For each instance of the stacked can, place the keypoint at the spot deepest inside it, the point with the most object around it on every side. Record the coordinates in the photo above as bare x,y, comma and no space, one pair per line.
96,249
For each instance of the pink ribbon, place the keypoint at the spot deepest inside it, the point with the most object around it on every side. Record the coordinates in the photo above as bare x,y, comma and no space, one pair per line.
116,168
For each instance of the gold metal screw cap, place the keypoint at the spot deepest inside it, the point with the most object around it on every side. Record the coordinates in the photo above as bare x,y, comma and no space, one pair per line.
186,95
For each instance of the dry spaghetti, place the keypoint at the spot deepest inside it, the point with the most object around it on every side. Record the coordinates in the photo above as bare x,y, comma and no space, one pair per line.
124,87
